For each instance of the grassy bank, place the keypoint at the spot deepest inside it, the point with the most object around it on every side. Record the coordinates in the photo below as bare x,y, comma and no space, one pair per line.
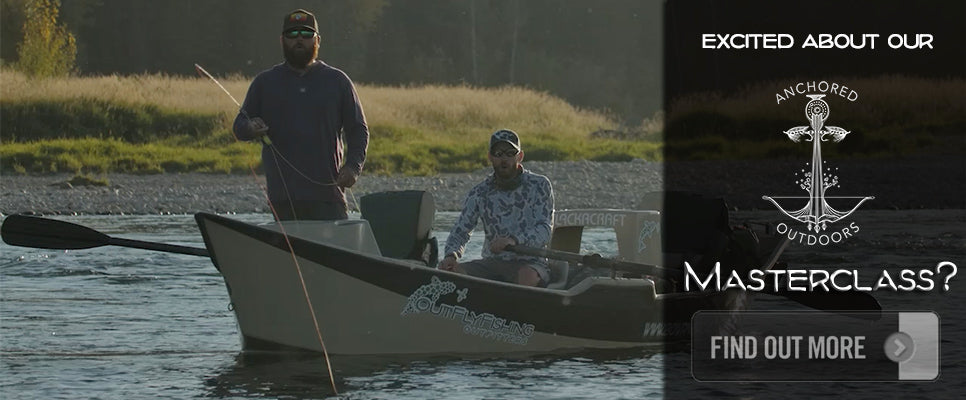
155,123
892,115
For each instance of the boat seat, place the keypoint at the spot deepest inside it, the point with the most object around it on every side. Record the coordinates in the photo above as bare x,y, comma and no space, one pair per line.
559,271
352,234
402,222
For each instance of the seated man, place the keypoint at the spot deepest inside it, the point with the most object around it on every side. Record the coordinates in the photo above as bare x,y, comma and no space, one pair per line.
516,207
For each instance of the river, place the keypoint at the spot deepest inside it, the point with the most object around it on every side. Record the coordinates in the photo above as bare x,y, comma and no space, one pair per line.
119,323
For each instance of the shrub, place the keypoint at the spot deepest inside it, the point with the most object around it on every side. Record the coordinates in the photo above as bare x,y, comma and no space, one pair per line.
48,49
93,118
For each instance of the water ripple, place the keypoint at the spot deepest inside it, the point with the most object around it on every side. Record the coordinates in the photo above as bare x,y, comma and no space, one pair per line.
118,323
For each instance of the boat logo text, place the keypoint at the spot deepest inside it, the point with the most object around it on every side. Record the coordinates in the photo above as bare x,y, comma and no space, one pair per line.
485,325
816,178
647,230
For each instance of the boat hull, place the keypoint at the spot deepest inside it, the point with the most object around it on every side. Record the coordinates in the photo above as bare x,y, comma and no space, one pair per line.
368,304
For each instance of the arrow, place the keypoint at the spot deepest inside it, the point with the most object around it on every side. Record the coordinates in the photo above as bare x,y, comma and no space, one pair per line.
899,347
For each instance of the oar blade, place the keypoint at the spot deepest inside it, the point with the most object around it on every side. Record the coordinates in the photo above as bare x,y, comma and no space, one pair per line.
837,302
829,301
43,233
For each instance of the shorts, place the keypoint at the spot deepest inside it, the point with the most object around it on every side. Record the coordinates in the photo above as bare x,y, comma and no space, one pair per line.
505,270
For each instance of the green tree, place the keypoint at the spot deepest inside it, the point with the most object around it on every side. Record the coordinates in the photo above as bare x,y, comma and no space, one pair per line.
48,48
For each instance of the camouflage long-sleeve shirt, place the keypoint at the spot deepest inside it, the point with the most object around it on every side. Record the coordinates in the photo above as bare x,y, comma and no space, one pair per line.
524,213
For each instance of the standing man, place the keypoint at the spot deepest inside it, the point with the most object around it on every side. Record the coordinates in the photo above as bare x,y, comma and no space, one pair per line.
516,207
309,111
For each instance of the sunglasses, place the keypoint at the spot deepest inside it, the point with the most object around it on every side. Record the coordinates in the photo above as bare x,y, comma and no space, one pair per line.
292,34
505,153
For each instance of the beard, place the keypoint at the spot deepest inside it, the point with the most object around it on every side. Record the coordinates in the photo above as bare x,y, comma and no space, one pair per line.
300,56
507,174
505,170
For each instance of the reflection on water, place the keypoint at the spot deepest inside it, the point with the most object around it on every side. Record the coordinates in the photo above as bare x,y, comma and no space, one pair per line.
271,375
632,373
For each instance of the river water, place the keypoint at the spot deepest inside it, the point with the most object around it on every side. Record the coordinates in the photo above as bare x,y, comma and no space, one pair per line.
118,323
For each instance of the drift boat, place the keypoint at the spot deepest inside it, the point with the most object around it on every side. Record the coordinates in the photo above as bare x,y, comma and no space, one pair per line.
370,286
373,287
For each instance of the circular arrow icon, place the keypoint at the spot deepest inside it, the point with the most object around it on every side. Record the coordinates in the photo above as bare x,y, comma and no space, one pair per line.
899,347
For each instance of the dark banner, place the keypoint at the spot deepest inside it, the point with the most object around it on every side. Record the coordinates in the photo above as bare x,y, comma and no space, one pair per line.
843,126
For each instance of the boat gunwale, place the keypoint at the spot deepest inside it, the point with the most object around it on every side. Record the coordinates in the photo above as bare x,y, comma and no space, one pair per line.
413,265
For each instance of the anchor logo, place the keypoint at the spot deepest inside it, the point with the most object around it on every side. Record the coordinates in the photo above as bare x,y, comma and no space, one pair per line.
817,213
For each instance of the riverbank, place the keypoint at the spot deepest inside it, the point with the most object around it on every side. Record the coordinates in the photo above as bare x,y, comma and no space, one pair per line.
160,124
931,183
577,184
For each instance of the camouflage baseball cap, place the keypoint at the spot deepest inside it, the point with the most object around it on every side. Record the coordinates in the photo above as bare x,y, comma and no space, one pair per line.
505,135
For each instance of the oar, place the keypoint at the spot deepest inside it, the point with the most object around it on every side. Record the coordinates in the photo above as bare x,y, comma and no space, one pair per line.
595,260
829,301
838,302
43,233
824,301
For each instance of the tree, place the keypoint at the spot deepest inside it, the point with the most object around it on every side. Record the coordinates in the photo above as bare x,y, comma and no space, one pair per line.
48,48
11,22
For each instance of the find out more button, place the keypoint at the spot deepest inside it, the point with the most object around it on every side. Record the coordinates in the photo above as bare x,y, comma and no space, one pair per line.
899,347
815,346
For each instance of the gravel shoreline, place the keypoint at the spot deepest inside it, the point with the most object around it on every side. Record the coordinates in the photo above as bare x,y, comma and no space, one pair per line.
579,184
933,182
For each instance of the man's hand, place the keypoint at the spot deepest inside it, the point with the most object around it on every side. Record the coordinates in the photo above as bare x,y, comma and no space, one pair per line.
449,263
257,127
347,177
500,243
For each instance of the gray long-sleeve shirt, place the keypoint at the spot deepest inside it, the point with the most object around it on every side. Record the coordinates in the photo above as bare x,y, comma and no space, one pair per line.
306,114
524,213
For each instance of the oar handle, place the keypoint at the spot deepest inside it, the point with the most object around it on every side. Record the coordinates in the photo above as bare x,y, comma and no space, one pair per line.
168,248
596,260
546,253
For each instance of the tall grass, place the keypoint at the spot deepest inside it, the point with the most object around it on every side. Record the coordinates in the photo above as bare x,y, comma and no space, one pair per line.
158,123
893,115
437,109
111,155
414,130
166,92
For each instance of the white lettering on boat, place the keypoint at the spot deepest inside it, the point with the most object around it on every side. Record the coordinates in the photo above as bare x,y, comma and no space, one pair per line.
666,329
485,325
427,295
647,230
589,219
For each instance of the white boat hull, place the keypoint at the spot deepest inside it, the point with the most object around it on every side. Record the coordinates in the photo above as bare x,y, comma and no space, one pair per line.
368,304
